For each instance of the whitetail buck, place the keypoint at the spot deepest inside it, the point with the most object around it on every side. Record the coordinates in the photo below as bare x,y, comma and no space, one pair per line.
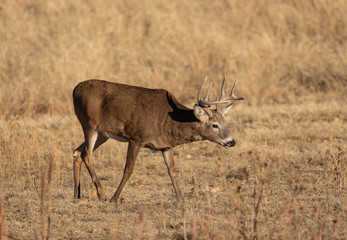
151,118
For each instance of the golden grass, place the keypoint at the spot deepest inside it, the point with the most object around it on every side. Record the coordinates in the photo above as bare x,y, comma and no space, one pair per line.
286,177
279,51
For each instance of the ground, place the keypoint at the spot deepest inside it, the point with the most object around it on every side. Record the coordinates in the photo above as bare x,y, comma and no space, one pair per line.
282,177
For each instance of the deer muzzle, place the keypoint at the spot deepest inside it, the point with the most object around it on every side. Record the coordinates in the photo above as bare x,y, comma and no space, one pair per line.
228,143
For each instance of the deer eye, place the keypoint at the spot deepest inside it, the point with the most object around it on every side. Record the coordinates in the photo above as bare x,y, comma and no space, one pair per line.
215,126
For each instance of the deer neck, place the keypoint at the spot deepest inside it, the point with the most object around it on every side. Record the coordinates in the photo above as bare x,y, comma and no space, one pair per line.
182,125
184,130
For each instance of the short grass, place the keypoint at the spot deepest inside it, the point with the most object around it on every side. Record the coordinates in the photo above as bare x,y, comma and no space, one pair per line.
285,178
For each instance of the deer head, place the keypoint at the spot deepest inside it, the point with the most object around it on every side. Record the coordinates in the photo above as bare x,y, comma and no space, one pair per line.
212,125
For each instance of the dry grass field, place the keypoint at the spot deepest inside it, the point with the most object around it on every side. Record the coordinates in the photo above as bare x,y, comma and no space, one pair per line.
284,179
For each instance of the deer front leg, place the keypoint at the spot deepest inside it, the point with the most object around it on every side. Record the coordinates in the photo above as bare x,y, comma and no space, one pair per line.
133,150
170,163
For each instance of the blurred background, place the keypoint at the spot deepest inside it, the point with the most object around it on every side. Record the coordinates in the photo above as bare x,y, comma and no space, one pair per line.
279,51
285,177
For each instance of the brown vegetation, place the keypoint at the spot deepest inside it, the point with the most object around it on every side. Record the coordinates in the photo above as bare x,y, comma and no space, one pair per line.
280,51
285,178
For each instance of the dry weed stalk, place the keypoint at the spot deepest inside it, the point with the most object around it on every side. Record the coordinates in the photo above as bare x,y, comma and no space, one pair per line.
262,178
337,179
115,229
2,216
45,231
221,169
2,203
320,223
205,229
63,228
141,223
241,215
50,174
277,222
338,169
194,228
184,224
195,187
162,215
42,205
295,187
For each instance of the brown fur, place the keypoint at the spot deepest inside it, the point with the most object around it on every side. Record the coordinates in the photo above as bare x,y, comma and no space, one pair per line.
151,118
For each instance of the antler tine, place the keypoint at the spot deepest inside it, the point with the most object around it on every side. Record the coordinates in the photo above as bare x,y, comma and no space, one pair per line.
208,92
233,97
222,92
201,86
205,102
229,98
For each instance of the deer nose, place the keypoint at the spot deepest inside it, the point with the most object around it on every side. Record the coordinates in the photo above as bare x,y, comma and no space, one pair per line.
232,143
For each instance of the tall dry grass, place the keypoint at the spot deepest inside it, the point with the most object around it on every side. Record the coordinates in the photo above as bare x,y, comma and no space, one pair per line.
280,51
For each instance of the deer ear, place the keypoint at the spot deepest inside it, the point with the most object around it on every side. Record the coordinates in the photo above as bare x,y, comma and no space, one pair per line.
200,113
227,109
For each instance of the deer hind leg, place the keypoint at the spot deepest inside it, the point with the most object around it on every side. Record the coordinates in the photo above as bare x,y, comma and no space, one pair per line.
170,163
133,150
77,161
92,141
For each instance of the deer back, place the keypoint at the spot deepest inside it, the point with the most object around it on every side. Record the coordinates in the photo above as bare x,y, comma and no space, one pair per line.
141,114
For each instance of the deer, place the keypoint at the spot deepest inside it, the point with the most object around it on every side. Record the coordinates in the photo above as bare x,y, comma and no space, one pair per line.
145,118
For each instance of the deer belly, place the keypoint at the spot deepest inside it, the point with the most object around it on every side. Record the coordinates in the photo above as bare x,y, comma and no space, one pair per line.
118,138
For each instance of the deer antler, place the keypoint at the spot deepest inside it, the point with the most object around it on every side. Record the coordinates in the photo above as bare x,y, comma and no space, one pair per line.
232,95
228,98
205,102
223,98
